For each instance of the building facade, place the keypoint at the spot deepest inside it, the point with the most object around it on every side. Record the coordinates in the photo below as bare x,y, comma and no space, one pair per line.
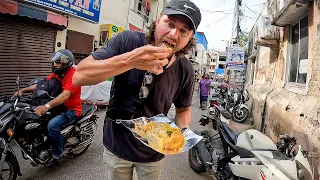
284,73
212,62
32,30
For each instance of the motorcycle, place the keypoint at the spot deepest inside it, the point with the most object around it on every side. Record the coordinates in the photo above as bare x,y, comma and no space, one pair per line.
227,155
234,102
240,111
19,124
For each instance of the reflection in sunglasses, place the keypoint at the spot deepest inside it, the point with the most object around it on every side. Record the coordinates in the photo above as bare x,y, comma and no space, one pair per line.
144,91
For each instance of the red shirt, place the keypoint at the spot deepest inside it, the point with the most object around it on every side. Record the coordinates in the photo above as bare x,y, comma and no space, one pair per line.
74,102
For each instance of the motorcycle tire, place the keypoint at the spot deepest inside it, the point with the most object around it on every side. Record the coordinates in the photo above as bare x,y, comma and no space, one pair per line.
194,161
244,114
79,153
12,163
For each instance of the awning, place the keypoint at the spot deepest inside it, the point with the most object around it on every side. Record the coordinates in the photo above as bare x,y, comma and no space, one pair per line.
20,9
291,11
134,28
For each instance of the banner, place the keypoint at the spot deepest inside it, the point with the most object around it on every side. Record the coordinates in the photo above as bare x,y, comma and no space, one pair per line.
107,31
235,59
86,9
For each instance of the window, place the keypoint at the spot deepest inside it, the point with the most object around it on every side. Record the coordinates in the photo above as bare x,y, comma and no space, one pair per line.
221,66
222,58
299,52
195,53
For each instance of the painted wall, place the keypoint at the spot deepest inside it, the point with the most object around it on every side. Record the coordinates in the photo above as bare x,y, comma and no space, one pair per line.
201,39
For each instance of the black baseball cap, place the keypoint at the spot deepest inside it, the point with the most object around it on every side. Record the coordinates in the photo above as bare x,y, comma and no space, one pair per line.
186,8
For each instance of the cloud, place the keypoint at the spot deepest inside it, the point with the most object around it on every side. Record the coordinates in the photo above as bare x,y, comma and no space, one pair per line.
217,26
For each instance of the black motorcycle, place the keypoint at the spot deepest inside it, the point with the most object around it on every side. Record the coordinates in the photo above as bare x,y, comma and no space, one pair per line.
19,124
232,101
213,153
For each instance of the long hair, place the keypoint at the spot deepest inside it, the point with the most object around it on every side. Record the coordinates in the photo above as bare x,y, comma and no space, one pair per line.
150,40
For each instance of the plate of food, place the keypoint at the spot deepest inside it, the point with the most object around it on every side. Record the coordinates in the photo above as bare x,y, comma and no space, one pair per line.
161,134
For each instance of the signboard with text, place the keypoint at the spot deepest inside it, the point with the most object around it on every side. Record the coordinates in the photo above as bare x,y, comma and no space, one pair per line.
235,59
86,9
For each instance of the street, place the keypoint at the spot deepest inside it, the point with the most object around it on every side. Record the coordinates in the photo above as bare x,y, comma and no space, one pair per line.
91,165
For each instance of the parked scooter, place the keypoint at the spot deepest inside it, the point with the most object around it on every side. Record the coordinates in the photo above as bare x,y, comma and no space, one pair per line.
19,124
250,155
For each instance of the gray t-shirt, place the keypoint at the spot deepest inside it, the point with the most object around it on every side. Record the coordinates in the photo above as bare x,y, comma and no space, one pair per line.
174,85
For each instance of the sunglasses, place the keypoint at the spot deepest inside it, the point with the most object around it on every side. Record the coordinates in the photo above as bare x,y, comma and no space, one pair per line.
144,91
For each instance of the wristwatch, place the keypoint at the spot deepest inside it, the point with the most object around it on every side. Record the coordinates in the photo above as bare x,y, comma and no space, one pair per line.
47,106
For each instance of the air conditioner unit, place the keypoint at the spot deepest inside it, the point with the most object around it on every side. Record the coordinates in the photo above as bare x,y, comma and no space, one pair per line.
269,31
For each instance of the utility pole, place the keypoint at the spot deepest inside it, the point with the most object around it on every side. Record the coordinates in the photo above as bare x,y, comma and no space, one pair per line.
237,19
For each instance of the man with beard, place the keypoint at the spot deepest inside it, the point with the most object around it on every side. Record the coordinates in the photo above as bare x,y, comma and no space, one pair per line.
63,70
151,72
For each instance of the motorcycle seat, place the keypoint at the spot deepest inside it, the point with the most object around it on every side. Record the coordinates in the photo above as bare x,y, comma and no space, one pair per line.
224,112
86,109
233,135
22,105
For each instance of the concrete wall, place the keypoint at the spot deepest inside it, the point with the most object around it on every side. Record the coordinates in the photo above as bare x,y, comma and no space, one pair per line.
279,107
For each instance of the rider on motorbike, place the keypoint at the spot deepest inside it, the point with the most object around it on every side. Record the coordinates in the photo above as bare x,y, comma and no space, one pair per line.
63,70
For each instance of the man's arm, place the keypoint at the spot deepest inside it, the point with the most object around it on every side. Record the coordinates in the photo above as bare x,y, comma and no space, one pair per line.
40,110
150,58
60,99
183,117
25,90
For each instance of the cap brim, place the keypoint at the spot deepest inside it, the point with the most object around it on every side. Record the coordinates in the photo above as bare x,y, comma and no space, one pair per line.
175,12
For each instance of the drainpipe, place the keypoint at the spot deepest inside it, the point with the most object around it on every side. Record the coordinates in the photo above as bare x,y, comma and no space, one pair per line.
158,8
129,9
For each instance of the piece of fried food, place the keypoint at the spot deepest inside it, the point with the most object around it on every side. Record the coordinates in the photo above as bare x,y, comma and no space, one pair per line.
168,46
161,137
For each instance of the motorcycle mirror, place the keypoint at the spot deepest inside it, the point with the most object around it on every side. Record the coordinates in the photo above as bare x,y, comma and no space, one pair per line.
42,94
18,83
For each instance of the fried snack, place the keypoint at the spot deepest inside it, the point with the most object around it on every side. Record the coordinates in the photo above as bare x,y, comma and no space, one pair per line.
168,46
161,137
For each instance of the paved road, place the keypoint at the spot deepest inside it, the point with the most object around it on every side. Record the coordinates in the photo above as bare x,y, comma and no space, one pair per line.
91,166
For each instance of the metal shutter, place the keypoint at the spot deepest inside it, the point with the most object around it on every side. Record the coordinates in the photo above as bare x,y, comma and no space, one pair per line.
25,51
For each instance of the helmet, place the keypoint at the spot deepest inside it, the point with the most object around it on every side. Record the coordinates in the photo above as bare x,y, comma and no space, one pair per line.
63,56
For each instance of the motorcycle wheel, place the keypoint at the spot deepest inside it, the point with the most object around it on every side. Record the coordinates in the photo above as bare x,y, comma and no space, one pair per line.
240,117
79,151
194,160
8,172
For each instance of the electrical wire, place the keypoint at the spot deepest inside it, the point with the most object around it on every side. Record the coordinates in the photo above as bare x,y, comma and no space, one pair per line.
218,11
218,20
251,9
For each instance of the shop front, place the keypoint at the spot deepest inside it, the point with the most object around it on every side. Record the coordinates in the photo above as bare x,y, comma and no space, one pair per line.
27,40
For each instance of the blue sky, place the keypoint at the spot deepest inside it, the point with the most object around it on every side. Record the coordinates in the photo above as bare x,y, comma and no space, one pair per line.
217,26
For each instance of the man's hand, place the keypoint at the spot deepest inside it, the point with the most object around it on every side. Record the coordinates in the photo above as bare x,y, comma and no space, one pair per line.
17,93
40,110
149,58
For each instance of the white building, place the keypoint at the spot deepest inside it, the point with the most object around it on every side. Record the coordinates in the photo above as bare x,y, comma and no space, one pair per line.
200,56
212,61
221,60
142,13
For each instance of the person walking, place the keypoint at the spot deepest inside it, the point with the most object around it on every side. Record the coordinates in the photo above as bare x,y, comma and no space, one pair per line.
204,85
